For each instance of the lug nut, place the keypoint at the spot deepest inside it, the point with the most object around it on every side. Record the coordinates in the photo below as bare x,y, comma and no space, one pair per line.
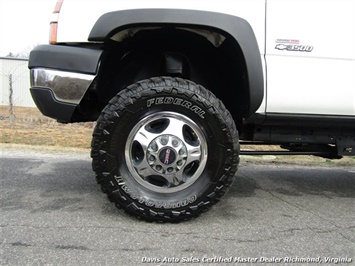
164,140
158,167
175,143
154,147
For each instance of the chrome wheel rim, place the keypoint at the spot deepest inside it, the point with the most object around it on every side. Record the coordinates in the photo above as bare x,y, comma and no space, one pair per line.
166,152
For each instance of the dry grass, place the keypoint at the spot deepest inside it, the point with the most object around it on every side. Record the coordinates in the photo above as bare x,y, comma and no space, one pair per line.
32,128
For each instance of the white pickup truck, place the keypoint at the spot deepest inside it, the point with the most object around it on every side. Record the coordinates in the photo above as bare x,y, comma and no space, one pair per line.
177,86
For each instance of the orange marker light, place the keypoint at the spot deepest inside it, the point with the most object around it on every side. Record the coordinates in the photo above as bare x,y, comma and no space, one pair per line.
53,30
58,6
53,33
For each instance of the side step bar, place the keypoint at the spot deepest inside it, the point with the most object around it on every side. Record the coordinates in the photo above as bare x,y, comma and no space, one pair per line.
315,153
324,151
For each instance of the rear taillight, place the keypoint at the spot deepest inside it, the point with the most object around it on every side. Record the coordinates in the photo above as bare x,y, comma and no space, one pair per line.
54,23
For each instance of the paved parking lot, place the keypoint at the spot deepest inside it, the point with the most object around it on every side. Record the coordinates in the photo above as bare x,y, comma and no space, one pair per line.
53,213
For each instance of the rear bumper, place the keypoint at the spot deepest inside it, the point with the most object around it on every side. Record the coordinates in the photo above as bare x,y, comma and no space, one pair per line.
49,106
60,77
58,93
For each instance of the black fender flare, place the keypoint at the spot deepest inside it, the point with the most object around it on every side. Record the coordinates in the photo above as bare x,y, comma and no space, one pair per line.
238,28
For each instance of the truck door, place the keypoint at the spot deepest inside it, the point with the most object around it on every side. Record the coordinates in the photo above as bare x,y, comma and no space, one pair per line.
310,57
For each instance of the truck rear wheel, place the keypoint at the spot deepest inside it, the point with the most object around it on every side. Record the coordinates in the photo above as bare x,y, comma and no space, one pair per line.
165,149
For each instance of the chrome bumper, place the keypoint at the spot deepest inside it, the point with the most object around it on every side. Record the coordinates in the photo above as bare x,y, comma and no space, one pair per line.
66,87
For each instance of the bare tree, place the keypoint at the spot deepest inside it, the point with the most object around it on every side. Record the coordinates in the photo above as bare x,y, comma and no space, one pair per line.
10,76
11,104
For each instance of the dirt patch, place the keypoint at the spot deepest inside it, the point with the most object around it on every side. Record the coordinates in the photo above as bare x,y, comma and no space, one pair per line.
32,128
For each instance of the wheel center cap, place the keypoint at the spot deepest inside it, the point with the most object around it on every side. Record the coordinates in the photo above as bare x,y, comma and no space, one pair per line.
167,156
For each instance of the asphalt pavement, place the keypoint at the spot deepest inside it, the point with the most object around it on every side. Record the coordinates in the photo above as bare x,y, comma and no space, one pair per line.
52,212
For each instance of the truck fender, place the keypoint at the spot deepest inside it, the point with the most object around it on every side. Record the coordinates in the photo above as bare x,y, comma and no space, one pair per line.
237,28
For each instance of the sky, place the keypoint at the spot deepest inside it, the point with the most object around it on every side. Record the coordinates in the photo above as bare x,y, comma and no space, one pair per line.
24,24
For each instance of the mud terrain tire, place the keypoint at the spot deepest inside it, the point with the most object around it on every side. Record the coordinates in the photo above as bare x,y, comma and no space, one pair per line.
165,149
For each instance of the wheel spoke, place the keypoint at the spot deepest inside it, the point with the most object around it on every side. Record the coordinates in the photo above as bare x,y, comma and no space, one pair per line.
175,179
143,137
175,128
193,154
144,169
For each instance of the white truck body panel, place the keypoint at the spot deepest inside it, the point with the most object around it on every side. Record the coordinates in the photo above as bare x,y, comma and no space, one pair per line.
318,82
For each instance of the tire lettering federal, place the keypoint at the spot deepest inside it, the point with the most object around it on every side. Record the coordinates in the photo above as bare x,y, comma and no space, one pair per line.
177,101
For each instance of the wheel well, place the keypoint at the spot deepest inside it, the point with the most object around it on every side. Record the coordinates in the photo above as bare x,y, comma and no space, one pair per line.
212,59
